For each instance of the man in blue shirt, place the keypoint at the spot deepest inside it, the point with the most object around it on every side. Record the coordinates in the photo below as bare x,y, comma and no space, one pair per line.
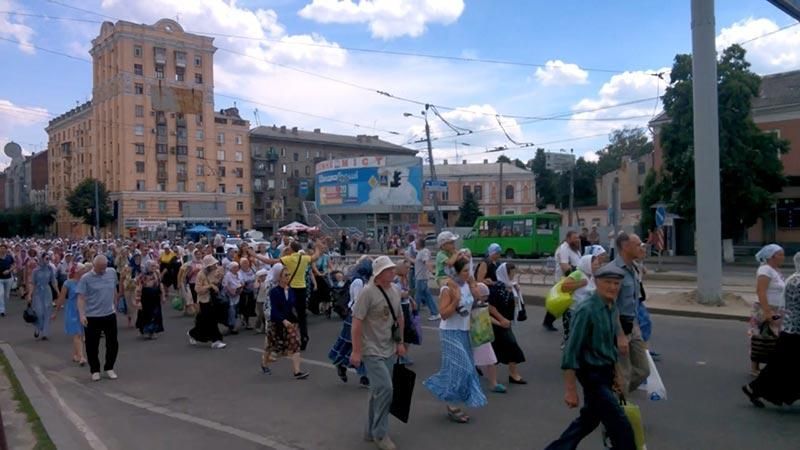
590,356
97,294
6,267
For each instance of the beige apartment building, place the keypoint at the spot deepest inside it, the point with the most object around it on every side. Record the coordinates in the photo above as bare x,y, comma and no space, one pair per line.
152,135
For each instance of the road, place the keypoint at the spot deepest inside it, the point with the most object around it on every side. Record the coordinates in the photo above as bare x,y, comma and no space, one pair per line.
171,395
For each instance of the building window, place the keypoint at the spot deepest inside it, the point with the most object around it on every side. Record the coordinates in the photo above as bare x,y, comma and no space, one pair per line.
238,156
478,192
639,190
137,51
220,155
257,183
198,61
296,173
139,166
141,205
159,71
201,170
221,171
240,224
308,155
239,189
510,192
180,186
220,138
283,152
201,186
641,167
465,191
179,75
198,78
270,184
308,170
138,130
238,139
283,168
221,188
162,206
238,172
271,167
283,183
200,153
161,149
240,206
180,168
318,154
138,88
139,149
199,135
139,185
295,157
139,110
137,69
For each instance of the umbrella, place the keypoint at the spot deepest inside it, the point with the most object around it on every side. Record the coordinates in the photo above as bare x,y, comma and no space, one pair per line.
199,229
296,227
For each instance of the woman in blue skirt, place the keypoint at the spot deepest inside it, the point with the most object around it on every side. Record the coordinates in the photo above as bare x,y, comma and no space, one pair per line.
68,300
457,381
340,352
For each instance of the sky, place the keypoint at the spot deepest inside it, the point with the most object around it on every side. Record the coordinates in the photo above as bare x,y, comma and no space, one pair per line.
580,69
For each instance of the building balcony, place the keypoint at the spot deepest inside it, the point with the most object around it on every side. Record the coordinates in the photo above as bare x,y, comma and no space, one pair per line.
259,188
180,59
162,156
182,176
161,175
271,156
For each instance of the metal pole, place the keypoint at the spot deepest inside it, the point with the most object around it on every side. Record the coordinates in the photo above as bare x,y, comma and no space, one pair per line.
436,211
97,207
706,153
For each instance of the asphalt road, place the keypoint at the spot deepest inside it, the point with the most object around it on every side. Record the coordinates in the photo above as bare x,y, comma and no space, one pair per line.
171,395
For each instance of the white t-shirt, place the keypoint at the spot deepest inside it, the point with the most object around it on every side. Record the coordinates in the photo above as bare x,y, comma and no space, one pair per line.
566,255
355,290
775,287
456,321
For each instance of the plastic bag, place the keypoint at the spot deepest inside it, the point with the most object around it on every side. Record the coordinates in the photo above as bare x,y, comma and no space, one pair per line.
634,415
654,386
480,329
122,306
557,302
177,303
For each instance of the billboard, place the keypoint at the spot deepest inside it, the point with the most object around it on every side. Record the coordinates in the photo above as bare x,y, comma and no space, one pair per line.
370,183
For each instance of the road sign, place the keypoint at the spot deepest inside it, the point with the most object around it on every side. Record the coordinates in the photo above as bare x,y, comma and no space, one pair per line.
435,185
661,216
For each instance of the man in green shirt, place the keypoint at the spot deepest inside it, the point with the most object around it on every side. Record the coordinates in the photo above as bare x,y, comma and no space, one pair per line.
590,356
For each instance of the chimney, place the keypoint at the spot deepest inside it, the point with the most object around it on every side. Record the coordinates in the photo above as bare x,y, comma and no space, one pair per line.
317,130
486,161
283,128
294,130
463,161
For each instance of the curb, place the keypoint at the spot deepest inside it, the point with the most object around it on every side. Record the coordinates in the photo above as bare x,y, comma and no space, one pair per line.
536,300
60,431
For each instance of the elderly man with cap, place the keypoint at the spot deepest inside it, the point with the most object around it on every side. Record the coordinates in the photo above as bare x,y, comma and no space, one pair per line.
377,335
590,357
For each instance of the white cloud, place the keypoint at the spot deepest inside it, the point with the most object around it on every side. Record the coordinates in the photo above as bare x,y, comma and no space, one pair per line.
559,73
387,19
777,52
13,27
619,89
16,121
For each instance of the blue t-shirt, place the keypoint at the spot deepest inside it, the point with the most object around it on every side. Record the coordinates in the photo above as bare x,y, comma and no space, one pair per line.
6,263
100,292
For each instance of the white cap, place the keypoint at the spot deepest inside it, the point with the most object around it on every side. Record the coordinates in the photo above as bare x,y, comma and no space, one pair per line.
445,237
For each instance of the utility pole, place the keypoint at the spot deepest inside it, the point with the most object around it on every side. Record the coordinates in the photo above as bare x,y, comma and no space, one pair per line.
615,208
436,211
706,153
97,207
501,192
571,188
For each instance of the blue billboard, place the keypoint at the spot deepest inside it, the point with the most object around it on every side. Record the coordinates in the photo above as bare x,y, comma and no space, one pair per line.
369,182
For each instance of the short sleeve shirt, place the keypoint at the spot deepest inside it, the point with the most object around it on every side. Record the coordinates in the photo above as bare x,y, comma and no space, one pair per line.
100,292
775,287
421,271
441,266
372,309
290,263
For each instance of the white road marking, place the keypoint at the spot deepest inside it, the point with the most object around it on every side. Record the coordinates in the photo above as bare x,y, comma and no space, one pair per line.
312,362
210,424
88,434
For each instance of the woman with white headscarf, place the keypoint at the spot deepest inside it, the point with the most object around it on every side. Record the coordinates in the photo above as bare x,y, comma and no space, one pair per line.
768,311
503,303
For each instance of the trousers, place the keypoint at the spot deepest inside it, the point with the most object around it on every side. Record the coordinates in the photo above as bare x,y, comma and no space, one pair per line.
634,366
380,395
97,326
600,405
5,293
424,297
300,305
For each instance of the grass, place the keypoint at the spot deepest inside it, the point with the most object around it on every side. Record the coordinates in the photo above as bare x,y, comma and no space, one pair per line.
24,406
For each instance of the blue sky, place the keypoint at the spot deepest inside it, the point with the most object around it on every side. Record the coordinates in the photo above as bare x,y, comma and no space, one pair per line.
629,40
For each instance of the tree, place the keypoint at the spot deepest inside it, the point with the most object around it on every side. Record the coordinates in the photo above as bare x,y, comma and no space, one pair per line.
653,192
81,202
626,142
546,181
468,211
503,159
26,221
750,168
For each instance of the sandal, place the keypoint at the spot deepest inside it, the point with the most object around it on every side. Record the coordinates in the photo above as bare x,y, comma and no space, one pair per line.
457,415
752,396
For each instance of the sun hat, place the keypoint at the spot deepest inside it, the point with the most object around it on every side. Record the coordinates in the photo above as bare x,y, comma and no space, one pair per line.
380,264
445,237
209,261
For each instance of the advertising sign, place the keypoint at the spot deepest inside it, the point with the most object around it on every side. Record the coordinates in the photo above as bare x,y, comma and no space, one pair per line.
369,182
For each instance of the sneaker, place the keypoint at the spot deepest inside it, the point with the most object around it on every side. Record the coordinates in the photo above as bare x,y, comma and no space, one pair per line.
96,376
499,389
301,375
192,340
385,444
218,345
341,370
111,375
434,318
364,382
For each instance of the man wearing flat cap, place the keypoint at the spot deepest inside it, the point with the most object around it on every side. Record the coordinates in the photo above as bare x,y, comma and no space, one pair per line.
590,356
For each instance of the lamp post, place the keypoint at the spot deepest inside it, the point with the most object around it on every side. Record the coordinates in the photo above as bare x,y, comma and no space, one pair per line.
435,197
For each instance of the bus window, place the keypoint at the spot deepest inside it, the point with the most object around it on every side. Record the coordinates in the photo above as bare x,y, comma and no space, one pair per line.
546,225
519,228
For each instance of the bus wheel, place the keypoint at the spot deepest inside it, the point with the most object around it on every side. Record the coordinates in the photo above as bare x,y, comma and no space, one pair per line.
510,254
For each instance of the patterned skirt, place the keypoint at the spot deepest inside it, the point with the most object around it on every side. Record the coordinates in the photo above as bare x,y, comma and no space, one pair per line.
341,350
281,341
457,381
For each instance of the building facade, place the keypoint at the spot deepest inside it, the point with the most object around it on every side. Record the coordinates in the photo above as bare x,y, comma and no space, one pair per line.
499,188
152,136
25,181
284,168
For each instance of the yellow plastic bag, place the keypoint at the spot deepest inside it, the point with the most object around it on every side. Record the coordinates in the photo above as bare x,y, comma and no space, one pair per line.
634,416
557,301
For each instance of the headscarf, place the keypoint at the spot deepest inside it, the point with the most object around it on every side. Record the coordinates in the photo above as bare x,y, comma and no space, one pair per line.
362,270
585,265
502,276
594,250
767,252
494,248
275,274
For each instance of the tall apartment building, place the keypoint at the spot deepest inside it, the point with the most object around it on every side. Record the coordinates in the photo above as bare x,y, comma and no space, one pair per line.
151,134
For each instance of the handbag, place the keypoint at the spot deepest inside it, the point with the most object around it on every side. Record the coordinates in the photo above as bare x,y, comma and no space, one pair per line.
763,344
403,380
480,327
29,315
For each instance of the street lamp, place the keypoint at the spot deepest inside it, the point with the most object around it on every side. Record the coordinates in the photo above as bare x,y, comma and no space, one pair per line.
437,212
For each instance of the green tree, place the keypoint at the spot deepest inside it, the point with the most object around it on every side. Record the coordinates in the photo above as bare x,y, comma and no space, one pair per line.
468,211
504,159
546,181
26,221
750,169
653,192
585,193
81,202
626,142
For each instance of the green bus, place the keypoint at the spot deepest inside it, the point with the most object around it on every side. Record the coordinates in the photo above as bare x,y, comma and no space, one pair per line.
525,235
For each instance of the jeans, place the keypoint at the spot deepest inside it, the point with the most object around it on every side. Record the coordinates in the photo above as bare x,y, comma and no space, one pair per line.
600,405
634,366
424,297
380,395
106,326
5,293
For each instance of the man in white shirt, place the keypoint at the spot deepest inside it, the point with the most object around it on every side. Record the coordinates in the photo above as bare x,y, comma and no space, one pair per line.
568,255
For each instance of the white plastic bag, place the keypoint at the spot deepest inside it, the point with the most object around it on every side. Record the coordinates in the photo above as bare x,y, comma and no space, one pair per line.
654,386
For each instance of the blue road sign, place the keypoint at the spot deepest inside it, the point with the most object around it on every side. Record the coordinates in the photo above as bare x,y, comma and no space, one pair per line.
435,185
661,216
